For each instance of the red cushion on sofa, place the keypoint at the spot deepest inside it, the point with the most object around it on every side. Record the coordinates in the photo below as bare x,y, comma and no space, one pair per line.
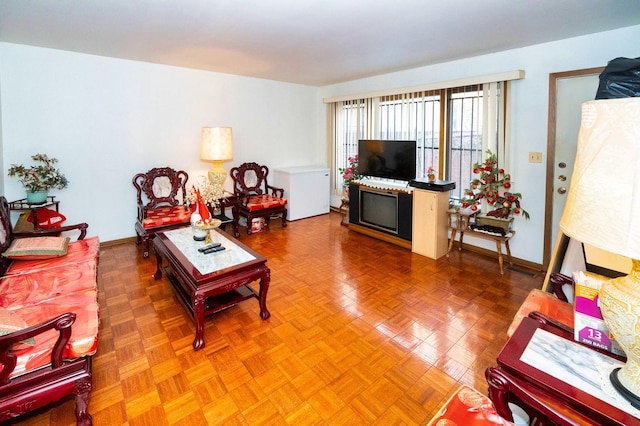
84,332
261,202
164,216
17,291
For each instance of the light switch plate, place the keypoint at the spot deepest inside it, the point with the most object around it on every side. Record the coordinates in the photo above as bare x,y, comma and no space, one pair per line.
535,157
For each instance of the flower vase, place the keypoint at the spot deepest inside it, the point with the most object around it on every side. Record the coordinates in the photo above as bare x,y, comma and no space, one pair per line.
37,197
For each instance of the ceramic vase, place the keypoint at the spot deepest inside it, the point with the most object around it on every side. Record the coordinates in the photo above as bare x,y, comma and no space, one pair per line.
619,301
37,197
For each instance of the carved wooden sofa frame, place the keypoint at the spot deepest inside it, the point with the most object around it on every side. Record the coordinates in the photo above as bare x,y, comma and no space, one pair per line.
62,376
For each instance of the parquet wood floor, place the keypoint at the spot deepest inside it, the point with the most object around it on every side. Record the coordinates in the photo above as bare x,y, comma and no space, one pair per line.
361,332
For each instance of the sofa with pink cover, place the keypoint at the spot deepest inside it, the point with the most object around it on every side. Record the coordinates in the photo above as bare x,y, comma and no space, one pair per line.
48,317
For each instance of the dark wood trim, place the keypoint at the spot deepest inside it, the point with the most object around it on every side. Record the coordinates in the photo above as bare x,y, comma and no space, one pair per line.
551,153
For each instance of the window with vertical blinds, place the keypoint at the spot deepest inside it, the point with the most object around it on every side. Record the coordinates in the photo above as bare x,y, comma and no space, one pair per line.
464,135
453,128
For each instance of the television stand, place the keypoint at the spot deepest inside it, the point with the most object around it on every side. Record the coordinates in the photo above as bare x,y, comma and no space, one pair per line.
382,210
380,235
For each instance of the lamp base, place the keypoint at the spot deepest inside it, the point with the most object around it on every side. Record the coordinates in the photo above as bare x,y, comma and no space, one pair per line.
217,175
622,390
618,300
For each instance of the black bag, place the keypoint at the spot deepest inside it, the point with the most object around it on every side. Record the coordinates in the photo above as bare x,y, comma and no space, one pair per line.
620,79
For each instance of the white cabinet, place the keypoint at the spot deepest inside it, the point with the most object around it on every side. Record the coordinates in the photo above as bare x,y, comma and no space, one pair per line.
306,188
430,230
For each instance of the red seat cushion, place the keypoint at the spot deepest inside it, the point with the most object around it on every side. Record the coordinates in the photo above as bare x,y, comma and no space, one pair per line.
468,407
545,303
165,216
261,202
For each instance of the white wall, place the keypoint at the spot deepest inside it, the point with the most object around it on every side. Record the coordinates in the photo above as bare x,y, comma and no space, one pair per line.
107,119
529,113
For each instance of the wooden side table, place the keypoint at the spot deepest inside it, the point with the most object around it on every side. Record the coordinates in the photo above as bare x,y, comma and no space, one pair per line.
460,223
22,206
233,202
549,374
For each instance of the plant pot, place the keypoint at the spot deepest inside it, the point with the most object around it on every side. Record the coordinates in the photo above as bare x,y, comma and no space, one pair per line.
37,197
498,222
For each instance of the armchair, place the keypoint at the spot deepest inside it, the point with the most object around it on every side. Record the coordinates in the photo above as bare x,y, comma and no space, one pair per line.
258,198
159,207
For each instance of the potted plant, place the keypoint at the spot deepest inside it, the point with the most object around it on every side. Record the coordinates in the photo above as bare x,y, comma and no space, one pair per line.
431,173
493,186
38,179
350,173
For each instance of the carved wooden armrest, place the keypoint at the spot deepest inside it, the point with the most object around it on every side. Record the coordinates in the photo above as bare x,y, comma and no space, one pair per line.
142,211
275,191
546,319
558,280
62,323
82,227
243,198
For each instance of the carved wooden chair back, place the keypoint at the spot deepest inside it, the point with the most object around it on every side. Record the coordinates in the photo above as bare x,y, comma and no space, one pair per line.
250,179
5,233
160,186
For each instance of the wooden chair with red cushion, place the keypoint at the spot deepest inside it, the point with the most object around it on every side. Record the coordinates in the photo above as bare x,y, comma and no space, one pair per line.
159,207
258,198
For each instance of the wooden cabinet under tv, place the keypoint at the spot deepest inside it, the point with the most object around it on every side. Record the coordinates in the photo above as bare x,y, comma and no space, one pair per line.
430,223
385,214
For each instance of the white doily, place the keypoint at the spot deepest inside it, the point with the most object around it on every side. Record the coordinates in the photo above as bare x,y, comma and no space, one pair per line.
605,370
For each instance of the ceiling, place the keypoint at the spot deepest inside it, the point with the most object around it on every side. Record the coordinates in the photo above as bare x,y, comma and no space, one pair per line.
312,42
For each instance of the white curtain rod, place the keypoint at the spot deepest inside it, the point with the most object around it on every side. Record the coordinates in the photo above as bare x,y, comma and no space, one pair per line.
490,78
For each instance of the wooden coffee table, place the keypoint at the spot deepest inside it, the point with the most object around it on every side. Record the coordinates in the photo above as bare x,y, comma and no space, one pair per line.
209,283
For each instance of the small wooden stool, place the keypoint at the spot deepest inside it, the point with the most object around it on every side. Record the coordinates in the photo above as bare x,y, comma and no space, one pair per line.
460,221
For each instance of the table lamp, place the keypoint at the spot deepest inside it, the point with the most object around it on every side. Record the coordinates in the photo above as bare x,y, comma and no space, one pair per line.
217,147
602,209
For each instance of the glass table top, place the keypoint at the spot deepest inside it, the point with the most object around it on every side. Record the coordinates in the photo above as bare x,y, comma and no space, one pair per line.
233,254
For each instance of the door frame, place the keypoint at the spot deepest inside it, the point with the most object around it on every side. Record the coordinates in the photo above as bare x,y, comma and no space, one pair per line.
551,154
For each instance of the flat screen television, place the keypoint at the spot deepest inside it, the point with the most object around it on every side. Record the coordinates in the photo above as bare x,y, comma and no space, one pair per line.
387,159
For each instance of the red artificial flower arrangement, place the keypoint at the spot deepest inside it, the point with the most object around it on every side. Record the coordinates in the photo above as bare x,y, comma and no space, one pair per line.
493,185
350,173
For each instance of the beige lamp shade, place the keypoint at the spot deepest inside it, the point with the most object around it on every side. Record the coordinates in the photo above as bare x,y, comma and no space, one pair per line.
603,203
217,144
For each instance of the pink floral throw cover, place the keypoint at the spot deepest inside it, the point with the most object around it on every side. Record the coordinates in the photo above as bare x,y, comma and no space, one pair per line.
38,290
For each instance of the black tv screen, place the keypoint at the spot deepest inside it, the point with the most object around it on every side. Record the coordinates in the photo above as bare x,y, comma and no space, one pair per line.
387,159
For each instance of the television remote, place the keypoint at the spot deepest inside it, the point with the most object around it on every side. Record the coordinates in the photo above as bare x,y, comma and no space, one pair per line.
210,246
213,250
